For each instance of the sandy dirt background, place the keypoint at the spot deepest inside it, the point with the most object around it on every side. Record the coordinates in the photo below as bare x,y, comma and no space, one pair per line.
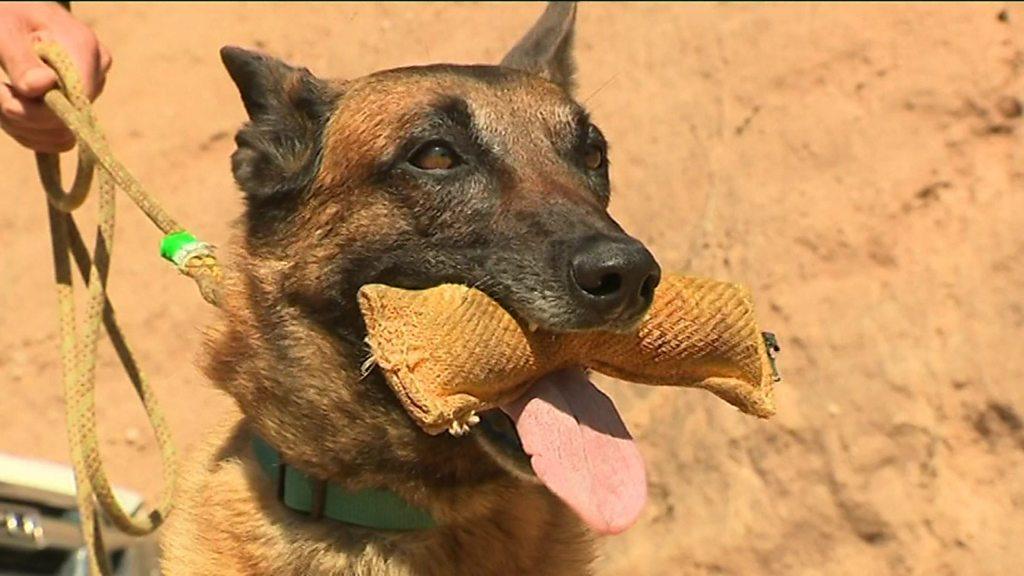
861,167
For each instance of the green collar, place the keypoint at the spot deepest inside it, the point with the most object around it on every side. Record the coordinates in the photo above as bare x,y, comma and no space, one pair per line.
379,509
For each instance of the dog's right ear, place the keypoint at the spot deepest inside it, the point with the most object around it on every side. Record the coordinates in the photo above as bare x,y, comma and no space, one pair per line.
279,148
546,49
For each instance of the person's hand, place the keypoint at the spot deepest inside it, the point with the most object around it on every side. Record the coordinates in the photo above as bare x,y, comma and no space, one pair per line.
22,112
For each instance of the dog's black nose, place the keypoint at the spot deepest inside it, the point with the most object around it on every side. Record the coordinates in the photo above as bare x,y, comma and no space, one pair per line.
616,276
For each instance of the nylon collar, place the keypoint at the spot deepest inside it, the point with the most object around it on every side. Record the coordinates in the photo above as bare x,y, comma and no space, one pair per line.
370,508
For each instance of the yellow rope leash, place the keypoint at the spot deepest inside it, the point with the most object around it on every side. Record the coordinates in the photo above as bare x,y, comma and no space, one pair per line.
78,350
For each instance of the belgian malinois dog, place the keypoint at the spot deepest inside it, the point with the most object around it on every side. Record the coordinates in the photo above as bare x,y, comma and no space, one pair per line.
488,176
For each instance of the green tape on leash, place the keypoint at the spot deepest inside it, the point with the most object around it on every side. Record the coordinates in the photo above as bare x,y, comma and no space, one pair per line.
178,247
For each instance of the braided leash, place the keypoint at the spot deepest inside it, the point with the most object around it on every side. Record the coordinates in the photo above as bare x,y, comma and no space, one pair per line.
78,350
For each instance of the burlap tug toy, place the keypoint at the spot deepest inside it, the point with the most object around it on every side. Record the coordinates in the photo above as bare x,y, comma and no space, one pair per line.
698,333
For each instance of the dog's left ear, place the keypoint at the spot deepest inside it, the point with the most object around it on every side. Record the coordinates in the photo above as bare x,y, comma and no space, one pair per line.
546,50
278,149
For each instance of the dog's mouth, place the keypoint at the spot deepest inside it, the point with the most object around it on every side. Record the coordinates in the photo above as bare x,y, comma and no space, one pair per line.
503,442
570,435
565,433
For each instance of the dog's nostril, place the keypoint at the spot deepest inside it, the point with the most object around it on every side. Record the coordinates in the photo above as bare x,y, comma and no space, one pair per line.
647,288
606,285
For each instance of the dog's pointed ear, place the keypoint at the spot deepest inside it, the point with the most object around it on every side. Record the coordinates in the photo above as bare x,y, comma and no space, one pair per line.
288,107
546,50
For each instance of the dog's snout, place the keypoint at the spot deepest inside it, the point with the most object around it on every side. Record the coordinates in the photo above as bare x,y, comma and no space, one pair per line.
615,276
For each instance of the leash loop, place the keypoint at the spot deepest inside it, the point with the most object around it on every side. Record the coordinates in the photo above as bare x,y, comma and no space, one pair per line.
78,344
49,164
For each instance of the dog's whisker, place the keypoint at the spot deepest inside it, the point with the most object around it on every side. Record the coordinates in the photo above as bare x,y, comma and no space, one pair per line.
600,88
484,283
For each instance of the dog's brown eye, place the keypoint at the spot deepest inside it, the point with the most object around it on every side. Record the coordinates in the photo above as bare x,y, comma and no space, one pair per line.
594,157
434,156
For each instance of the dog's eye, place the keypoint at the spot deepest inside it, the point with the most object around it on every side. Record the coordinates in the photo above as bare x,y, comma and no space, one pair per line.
595,153
594,157
435,156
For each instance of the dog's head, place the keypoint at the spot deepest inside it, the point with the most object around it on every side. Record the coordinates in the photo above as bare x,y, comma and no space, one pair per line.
488,176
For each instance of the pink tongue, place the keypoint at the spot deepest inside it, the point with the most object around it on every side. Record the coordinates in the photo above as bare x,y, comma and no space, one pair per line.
581,450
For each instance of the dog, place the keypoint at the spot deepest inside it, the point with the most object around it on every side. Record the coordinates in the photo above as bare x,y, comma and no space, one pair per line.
482,175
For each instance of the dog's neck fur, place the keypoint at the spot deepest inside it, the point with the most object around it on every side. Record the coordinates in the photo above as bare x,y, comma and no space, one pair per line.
230,523
489,522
